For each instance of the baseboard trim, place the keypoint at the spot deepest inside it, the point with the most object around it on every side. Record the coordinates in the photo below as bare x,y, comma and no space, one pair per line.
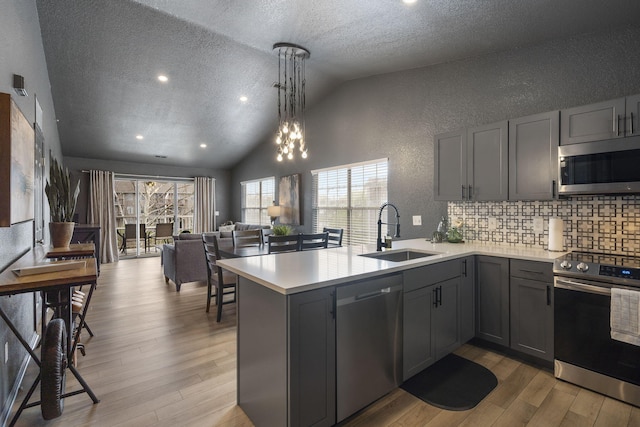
11,399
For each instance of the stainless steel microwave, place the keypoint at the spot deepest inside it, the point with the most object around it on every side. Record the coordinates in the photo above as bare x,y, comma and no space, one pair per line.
601,167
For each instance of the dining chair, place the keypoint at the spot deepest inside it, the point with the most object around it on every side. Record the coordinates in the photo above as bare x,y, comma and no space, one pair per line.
246,237
335,235
164,232
130,234
266,232
288,243
313,241
219,282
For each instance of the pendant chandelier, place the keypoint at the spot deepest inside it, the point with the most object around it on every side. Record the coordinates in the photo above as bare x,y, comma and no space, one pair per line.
291,100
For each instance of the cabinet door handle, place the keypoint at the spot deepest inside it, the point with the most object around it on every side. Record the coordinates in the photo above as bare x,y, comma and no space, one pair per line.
435,297
631,123
470,192
463,192
464,268
333,305
531,271
616,126
439,295
548,295
553,189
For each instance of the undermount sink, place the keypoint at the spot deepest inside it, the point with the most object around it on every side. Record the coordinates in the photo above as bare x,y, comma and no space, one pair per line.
399,255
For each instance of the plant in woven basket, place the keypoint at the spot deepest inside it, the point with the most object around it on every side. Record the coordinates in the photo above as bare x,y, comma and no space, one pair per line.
61,194
282,230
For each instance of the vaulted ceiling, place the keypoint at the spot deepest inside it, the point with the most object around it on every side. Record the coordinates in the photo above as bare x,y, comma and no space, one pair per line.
104,57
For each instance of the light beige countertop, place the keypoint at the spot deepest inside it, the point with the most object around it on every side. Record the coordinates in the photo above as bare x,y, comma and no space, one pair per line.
293,272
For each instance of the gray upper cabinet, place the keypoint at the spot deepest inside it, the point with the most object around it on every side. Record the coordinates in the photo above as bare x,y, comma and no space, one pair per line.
472,166
632,113
533,156
450,171
593,122
487,162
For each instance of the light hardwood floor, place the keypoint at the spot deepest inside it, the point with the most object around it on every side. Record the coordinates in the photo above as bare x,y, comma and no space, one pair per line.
159,360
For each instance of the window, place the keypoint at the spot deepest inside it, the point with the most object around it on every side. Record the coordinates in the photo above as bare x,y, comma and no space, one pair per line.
256,197
349,197
151,201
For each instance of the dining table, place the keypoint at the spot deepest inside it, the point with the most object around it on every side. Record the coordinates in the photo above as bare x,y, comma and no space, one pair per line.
231,251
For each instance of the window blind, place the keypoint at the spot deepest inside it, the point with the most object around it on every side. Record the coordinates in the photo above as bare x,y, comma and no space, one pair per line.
257,195
349,197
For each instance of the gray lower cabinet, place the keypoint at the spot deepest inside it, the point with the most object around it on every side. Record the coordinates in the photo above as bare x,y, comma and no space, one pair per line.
492,293
312,365
431,314
533,156
467,299
532,308
286,356
417,351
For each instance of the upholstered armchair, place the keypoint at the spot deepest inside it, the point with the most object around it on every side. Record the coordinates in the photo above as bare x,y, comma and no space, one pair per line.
183,261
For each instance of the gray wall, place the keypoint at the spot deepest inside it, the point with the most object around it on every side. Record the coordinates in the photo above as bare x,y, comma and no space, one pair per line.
396,115
21,53
78,164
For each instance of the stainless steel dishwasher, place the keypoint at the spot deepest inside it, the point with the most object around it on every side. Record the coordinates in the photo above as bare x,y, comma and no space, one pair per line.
368,342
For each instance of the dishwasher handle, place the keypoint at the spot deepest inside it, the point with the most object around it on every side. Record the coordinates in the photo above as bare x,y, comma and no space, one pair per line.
369,295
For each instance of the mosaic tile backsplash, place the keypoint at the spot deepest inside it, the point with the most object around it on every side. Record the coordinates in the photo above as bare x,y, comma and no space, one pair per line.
599,223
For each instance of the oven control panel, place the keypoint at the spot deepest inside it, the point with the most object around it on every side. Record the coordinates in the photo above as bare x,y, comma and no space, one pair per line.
622,272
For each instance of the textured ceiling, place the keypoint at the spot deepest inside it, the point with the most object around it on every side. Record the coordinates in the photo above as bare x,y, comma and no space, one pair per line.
103,59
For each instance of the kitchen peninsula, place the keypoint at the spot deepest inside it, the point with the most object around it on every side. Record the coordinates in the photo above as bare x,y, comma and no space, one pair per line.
287,323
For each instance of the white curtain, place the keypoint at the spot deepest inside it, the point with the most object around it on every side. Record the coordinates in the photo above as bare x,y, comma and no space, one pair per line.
102,211
204,219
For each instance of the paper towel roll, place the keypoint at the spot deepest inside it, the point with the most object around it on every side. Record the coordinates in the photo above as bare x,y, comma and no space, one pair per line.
556,231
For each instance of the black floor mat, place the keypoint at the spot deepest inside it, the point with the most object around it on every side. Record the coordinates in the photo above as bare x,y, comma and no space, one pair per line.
453,383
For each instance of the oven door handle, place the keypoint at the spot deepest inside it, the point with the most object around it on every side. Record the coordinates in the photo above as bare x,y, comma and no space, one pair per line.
581,287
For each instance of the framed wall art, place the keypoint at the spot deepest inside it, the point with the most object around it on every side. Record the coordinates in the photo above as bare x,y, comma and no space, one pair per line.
289,199
17,159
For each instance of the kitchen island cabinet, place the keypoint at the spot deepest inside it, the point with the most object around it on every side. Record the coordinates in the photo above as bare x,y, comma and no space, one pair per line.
287,327
286,356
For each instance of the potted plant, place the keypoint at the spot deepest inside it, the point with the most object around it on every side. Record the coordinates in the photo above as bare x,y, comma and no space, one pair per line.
282,230
62,197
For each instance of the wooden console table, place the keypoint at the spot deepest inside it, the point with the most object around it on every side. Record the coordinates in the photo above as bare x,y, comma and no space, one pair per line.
61,282
88,233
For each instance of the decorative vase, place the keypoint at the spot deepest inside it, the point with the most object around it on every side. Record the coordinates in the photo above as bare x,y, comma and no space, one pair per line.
61,233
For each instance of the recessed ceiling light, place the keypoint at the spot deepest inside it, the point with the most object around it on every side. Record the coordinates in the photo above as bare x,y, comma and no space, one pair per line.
163,78
243,98
203,145
139,137
408,1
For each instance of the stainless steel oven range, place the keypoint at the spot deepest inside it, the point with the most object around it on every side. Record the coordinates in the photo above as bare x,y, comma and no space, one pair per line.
585,354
